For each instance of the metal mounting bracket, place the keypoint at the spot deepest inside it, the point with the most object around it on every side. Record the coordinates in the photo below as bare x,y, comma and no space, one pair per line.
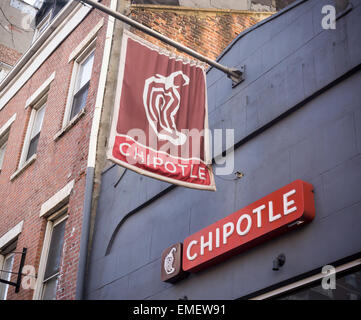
237,76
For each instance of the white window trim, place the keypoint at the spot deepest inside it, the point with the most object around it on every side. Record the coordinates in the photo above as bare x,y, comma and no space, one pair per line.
3,144
46,19
4,70
23,163
6,239
35,101
4,130
81,57
11,235
57,200
305,281
2,261
40,92
86,41
23,167
7,125
60,198
53,220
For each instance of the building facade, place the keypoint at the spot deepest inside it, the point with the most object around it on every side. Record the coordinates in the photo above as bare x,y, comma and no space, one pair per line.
47,108
55,104
296,116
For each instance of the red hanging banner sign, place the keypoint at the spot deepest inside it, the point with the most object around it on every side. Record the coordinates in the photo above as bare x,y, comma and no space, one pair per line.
160,120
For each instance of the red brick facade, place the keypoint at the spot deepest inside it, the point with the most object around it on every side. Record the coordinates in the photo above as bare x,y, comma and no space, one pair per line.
208,32
8,55
57,162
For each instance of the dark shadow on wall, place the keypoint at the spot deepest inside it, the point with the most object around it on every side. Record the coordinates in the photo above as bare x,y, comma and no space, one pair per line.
280,4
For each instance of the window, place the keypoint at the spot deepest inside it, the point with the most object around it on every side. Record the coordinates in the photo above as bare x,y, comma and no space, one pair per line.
53,262
51,256
82,84
4,136
347,286
34,129
3,142
35,132
3,72
42,26
6,267
83,58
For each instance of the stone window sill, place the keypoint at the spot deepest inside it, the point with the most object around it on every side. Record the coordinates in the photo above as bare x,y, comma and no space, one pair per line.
69,125
23,167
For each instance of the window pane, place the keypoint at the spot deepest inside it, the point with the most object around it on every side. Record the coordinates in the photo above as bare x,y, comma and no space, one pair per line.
3,142
7,266
55,249
33,145
35,132
79,100
2,154
348,287
38,121
85,71
49,292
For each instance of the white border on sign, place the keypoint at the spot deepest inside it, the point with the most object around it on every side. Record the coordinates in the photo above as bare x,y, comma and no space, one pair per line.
126,36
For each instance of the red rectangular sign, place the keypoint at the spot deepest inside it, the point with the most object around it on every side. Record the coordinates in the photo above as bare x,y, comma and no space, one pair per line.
279,212
160,120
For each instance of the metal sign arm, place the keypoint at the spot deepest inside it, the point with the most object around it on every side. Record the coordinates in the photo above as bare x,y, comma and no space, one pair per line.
235,75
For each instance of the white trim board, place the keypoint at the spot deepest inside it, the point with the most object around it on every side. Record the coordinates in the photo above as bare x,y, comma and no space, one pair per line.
7,125
86,41
57,200
11,234
93,141
40,91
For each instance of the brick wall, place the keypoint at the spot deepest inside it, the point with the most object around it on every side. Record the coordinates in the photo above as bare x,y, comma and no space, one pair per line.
57,162
207,31
8,55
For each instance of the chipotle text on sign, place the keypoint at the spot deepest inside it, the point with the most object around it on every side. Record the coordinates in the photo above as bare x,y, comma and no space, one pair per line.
280,211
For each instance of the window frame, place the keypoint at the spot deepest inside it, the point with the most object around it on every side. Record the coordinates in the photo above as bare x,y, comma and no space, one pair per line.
4,70
4,137
8,243
3,258
35,108
44,22
3,144
52,221
306,281
78,60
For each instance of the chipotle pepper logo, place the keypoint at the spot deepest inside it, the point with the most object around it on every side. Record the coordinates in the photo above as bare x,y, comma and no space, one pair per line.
161,100
171,269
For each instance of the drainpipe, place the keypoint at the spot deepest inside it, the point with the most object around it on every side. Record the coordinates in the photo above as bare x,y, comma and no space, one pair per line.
90,171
